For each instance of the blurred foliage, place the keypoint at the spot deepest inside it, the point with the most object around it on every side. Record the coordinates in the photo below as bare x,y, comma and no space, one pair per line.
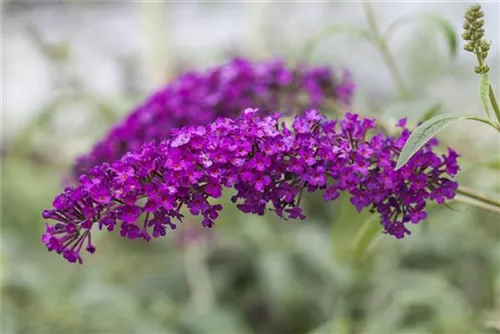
249,274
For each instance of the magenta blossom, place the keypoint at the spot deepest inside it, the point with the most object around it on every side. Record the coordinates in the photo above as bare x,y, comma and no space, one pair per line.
198,98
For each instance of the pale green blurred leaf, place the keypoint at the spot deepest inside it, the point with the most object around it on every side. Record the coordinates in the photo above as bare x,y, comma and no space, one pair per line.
330,30
344,229
370,230
439,22
415,111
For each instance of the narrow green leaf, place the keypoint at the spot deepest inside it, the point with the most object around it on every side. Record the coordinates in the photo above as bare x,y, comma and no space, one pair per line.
436,20
431,112
366,235
447,29
424,132
484,88
332,30
494,104
345,227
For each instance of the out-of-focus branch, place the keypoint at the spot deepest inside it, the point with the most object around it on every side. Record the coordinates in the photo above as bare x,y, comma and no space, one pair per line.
254,13
198,277
157,46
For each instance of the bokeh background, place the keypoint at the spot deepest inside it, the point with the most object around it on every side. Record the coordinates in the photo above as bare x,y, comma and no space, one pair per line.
72,69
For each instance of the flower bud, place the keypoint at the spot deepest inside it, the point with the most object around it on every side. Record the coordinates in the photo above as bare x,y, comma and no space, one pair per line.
479,23
466,36
469,47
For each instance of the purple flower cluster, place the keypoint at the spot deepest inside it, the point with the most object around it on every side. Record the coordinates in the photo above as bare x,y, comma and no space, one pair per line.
268,164
199,98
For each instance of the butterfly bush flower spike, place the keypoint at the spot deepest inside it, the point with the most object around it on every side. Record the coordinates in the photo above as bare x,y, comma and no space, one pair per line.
146,193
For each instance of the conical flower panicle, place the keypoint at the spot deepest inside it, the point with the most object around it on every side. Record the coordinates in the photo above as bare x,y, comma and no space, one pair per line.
269,165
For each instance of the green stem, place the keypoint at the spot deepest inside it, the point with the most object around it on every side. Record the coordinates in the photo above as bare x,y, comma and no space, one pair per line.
494,104
381,43
479,198
479,205
480,59
485,121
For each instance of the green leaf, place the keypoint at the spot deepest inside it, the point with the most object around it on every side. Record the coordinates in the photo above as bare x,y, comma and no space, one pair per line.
484,88
431,112
423,133
436,20
494,104
345,227
367,233
332,30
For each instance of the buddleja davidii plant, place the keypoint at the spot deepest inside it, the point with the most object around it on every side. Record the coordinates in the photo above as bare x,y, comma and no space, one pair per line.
425,132
431,126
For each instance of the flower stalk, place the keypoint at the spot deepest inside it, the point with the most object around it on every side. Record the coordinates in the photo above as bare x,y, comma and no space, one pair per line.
469,193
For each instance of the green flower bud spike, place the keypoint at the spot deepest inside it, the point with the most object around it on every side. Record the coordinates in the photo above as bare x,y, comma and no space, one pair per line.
474,34
478,45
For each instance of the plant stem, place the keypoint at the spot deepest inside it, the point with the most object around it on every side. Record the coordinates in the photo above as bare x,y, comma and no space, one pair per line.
485,121
493,205
477,204
381,43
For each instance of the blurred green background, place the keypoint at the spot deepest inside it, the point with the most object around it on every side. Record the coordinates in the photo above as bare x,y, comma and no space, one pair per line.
70,70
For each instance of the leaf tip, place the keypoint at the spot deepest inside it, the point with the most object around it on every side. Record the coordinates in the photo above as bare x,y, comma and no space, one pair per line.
399,164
